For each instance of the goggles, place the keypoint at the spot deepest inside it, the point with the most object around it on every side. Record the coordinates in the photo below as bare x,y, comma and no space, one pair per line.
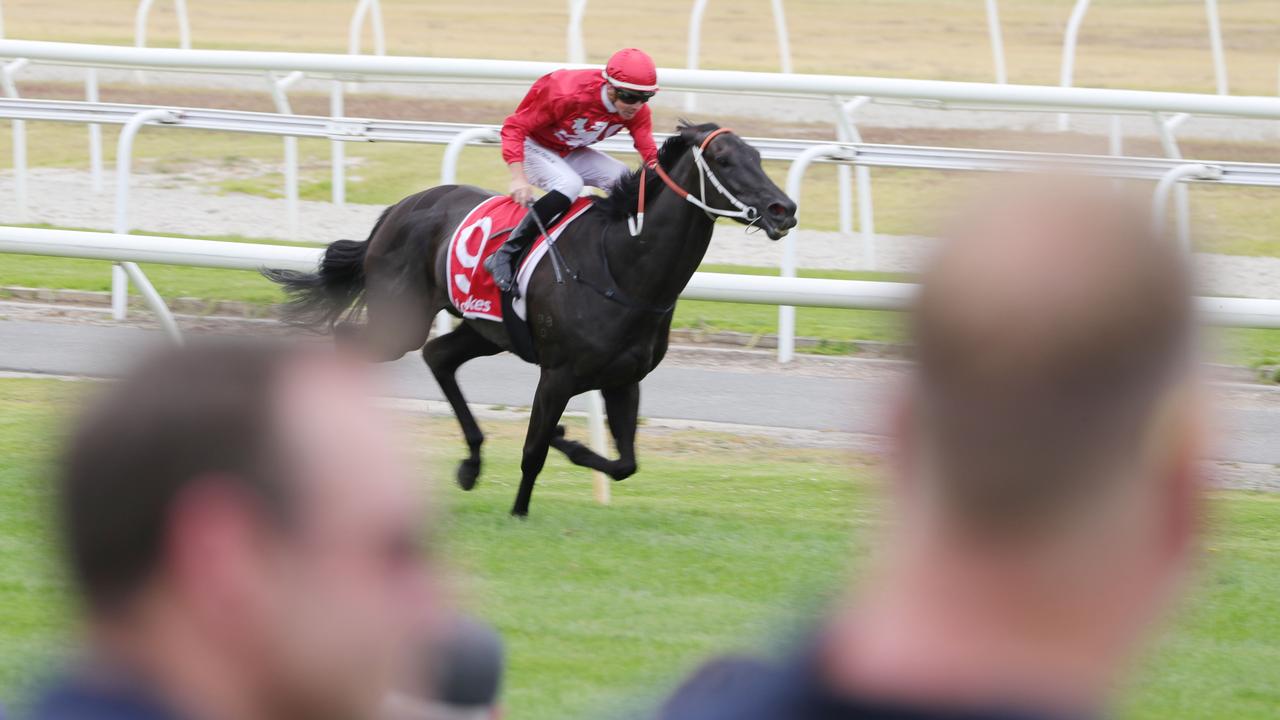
632,97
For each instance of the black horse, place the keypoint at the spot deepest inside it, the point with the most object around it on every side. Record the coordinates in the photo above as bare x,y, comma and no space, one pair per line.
604,327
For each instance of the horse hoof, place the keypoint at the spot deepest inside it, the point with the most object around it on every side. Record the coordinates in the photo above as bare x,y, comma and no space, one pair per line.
623,473
520,513
468,471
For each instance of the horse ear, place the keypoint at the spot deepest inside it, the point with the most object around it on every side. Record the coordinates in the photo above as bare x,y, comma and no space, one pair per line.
688,132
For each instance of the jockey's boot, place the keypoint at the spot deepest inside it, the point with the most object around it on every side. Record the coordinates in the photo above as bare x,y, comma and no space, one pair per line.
502,263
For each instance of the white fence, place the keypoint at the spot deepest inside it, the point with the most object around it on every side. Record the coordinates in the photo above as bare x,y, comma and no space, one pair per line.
846,93
941,94
370,12
1167,173
716,287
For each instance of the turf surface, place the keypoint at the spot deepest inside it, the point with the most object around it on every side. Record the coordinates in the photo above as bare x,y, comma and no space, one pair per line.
720,542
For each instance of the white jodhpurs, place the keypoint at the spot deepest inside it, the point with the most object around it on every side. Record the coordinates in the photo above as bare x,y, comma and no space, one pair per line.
570,173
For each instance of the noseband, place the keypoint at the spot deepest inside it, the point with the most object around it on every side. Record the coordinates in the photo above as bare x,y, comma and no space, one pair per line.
744,211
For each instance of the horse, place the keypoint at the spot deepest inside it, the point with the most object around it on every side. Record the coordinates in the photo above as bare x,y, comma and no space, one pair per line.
605,328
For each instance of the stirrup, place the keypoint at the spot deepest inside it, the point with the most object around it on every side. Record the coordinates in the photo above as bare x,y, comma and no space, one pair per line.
512,285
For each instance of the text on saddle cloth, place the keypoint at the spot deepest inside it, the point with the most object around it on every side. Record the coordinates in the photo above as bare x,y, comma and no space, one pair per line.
480,234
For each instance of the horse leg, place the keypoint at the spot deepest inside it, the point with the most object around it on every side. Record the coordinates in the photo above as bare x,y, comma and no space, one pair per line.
398,311
622,405
444,355
554,390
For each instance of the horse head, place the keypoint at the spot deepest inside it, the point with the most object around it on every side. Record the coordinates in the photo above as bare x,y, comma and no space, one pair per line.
734,183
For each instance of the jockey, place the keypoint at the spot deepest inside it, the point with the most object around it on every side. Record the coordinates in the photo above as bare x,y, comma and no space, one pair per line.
545,142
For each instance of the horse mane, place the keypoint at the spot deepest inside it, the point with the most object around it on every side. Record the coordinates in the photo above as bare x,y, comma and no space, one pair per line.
625,194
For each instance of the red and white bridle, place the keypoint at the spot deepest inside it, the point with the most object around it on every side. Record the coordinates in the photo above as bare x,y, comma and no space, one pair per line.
744,211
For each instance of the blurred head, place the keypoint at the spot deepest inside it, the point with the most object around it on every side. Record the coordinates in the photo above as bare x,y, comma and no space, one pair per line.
1053,420
248,500
460,676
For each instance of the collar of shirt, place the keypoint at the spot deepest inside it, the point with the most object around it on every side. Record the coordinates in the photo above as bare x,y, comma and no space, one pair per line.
604,98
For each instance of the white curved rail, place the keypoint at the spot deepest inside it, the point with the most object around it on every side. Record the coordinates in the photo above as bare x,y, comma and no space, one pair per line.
140,27
795,180
996,34
577,48
123,272
10,89
370,11
1164,188
1072,35
694,50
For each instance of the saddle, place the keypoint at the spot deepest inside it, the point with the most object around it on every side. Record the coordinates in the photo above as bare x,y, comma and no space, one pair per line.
471,287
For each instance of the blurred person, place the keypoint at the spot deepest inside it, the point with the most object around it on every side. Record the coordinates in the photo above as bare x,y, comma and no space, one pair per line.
462,677
546,142
1044,486
244,539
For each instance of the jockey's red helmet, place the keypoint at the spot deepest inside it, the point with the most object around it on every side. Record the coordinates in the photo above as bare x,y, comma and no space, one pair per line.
632,69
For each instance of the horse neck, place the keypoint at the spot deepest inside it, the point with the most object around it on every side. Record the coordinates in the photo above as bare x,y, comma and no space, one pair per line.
656,265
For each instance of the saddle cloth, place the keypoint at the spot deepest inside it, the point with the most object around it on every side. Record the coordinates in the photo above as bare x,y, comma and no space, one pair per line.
479,235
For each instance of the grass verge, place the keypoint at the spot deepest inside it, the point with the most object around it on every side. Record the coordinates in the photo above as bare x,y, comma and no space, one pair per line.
721,542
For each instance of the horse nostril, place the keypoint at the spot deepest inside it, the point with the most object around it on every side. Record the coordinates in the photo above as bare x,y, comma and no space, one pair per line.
778,210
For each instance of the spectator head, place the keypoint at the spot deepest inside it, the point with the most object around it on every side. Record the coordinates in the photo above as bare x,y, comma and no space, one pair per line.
1053,420
462,670
239,523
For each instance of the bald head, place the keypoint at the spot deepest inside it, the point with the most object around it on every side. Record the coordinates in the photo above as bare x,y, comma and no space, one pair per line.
1048,330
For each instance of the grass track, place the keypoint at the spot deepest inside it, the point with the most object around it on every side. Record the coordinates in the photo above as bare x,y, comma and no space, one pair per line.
720,542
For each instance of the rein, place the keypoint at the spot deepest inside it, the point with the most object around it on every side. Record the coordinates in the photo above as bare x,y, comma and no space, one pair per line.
613,291
610,292
744,211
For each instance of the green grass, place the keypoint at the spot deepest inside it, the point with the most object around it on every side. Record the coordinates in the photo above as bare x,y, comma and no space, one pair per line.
32,594
837,329
719,543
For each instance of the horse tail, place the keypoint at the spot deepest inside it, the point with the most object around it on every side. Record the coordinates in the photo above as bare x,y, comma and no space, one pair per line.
318,300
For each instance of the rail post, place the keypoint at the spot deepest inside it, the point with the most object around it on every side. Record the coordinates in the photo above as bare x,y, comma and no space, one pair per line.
140,28
795,179
123,272
600,486
95,132
577,48
337,151
862,173
695,42
1215,46
19,137
1069,53
1182,202
372,10
997,41
279,94
1160,198
452,151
